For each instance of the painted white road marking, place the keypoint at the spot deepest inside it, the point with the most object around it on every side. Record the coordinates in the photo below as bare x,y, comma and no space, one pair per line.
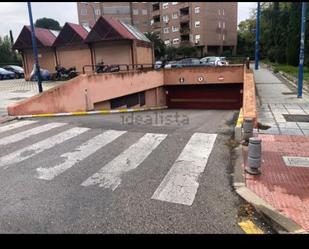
16,125
80,153
36,148
25,134
110,175
181,182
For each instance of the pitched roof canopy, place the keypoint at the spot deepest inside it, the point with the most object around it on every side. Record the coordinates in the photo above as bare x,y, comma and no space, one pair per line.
107,29
44,38
71,34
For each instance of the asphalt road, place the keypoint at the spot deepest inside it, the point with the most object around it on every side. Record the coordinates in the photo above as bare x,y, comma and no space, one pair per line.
29,204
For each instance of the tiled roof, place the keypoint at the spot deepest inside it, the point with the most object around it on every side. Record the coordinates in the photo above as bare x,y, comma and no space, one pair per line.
106,29
44,38
71,34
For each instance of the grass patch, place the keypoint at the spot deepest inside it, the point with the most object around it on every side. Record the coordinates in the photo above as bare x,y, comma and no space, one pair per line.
292,70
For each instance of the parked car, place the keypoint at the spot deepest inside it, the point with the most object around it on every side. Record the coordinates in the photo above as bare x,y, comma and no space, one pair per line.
5,74
213,61
172,64
19,71
158,65
190,62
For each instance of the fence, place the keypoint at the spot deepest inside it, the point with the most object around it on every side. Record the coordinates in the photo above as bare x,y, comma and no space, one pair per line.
119,67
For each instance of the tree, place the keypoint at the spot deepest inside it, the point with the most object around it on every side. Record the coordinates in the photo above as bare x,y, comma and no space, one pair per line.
47,23
6,54
158,44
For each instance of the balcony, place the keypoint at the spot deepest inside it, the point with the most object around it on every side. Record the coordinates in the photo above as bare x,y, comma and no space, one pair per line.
156,25
156,6
184,30
184,18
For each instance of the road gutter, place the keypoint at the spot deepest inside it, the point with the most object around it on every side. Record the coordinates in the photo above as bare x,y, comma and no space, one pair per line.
91,112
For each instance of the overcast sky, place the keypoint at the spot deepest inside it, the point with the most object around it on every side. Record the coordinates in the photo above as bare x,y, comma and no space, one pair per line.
13,15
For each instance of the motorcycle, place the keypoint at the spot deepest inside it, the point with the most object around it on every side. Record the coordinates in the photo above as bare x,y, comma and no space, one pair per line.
65,74
101,68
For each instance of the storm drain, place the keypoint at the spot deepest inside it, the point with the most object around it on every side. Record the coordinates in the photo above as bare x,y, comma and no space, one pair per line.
296,117
294,161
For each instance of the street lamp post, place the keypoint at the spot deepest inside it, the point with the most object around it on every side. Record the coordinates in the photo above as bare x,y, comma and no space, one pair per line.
35,50
301,52
257,37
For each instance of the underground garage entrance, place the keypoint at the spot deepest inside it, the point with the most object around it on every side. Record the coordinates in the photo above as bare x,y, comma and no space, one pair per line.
206,96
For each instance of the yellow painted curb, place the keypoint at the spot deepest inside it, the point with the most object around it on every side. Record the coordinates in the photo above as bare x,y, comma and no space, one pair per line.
93,112
240,118
249,227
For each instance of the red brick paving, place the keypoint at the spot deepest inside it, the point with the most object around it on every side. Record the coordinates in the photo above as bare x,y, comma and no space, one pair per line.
285,188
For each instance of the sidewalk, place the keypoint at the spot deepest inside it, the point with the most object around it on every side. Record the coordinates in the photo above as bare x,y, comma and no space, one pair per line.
284,181
12,91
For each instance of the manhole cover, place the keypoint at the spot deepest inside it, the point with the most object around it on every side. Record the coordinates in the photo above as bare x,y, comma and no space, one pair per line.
289,93
295,161
296,117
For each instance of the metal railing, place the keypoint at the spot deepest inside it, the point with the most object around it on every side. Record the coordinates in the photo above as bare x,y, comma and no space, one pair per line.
119,67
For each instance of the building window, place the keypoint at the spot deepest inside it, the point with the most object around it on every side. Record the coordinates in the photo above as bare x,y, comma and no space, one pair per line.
85,24
197,24
83,12
175,15
165,6
197,38
165,18
197,10
175,29
146,23
223,25
219,24
176,41
223,12
117,10
167,42
223,37
174,3
98,12
135,12
166,30
219,12
144,12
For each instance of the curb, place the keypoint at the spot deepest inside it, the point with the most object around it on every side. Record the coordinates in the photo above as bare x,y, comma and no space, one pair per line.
237,129
280,223
6,119
91,112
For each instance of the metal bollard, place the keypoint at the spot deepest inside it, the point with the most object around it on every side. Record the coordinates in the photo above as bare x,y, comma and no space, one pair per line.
248,129
254,156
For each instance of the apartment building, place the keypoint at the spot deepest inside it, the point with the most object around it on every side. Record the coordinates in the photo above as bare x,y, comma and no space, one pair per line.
210,26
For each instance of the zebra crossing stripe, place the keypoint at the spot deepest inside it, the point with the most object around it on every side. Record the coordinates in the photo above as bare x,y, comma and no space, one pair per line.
36,148
25,134
16,125
180,183
110,175
80,153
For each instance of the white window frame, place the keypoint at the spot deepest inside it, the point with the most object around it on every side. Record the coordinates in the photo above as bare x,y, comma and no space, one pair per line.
97,12
223,24
83,12
175,15
197,10
167,42
175,29
223,37
219,24
166,30
176,41
223,12
219,12
197,39
135,12
165,18
174,3
144,12
197,24
164,5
